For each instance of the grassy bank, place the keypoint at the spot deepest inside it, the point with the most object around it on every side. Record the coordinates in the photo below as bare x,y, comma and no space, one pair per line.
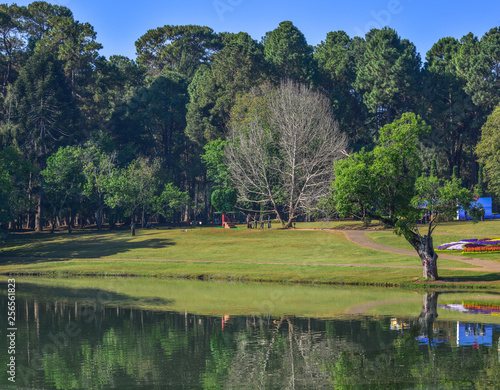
215,253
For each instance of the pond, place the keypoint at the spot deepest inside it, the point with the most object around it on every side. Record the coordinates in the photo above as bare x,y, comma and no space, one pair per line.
170,334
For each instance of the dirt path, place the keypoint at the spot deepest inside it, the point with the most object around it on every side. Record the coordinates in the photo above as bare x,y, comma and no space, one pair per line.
359,237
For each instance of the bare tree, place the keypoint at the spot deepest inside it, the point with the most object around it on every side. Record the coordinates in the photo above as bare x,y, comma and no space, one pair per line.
283,156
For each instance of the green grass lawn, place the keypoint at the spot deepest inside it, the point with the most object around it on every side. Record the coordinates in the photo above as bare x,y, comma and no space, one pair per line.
216,253
212,244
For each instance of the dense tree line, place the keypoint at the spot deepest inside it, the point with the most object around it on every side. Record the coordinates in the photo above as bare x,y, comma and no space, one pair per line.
89,139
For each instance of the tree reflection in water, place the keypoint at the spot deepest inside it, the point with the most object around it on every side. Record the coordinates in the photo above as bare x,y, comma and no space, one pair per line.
127,348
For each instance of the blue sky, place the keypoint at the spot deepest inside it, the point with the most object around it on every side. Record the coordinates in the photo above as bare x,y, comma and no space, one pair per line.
119,23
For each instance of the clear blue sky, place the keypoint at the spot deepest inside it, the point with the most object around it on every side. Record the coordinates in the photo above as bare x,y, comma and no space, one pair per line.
119,23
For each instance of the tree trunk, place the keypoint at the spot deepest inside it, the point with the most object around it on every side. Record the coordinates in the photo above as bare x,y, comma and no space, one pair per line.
39,215
429,314
425,249
99,219
70,222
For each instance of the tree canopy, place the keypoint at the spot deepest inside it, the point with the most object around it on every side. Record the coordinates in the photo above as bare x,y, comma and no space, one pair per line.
387,184
194,96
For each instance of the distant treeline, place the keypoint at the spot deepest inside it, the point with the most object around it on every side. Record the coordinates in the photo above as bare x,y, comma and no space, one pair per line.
89,139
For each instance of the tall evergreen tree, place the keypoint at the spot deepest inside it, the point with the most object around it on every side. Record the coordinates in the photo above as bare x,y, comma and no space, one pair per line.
12,44
287,51
488,150
43,113
234,70
176,48
388,74
338,58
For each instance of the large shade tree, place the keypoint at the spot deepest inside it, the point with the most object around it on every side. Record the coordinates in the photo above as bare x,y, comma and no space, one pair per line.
383,185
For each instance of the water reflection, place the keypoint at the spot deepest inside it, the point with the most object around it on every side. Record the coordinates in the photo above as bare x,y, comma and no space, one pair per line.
66,341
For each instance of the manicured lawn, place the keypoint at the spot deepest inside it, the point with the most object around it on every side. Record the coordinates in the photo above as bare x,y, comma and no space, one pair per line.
216,253
208,244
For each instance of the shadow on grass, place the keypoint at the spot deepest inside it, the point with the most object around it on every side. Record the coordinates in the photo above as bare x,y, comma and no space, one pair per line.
492,277
75,246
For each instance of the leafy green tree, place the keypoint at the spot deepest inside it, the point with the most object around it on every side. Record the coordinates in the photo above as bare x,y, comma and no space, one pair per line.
43,112
176,48
213,158
12,44
74,44
155,123
203,123
63,182
224,200
134,188
100,171
287,51
108,91
383,185
488,150
388,74
479,65
38,17
14,176
170,202
447,107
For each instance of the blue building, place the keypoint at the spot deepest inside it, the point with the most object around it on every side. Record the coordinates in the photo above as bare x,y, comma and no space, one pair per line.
488,209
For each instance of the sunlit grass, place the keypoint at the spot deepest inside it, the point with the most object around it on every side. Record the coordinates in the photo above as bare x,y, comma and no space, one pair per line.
208,244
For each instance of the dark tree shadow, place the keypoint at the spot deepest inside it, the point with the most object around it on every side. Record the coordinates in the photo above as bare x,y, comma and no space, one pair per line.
77,246
491,277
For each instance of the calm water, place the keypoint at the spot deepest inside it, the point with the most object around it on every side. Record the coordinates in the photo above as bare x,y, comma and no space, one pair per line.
93,338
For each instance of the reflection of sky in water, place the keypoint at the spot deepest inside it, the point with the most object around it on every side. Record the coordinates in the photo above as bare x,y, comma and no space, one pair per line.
424,340
467,334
